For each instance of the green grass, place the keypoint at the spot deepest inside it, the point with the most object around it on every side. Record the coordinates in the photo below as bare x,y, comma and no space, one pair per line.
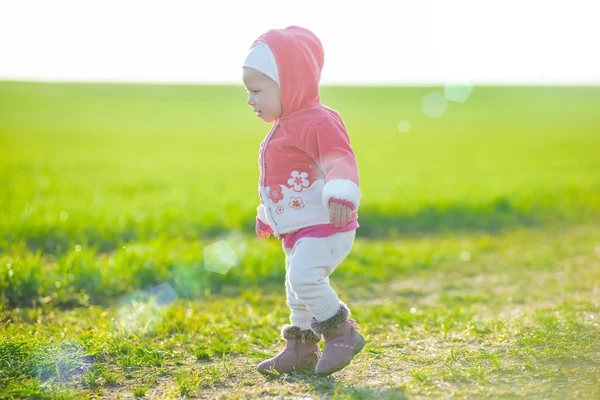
476,272
124,163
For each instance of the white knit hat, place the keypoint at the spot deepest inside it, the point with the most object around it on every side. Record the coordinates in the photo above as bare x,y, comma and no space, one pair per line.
261,59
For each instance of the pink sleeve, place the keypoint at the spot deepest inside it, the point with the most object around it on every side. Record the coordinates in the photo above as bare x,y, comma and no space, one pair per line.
349,204
263,226
327,143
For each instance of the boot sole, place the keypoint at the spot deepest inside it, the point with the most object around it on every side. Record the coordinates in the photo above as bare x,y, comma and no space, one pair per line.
345,363
275,373
268,372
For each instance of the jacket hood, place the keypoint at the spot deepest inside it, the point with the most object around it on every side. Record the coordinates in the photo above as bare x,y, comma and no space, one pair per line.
299,56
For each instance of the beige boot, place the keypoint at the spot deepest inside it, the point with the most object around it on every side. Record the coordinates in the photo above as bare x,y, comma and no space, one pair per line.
301,352
342,341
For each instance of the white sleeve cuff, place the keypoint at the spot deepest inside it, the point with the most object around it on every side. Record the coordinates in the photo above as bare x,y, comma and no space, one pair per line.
343,189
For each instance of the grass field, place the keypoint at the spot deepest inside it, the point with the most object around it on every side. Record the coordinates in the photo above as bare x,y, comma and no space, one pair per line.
476,272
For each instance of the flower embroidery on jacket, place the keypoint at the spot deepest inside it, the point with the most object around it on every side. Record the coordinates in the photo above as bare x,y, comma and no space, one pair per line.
296,202
275,193
298,181
279,210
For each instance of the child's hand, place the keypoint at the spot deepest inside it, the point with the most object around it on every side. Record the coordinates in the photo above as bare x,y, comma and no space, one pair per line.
339,214
262,233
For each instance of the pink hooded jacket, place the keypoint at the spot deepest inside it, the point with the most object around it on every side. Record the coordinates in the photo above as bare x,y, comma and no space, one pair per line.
306,160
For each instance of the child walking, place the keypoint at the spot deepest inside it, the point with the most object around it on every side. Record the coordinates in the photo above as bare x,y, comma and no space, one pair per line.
309,191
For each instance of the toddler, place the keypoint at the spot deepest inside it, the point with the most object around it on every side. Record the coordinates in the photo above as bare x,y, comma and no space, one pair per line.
309,191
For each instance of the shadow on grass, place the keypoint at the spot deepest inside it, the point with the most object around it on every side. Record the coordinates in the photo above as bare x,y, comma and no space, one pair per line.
359,392
375,223
328,387
492,217
29,285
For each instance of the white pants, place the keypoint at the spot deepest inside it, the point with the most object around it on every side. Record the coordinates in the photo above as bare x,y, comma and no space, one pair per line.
308,266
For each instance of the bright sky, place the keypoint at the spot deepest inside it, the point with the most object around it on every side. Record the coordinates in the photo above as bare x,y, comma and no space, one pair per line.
366,42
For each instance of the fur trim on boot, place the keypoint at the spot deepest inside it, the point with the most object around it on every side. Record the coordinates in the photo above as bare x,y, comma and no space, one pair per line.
299,355
320,327
291,332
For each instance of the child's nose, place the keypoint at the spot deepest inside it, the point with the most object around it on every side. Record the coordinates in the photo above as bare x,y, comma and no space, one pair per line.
250,100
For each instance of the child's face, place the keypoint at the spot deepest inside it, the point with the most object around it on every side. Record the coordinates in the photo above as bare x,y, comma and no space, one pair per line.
263,94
